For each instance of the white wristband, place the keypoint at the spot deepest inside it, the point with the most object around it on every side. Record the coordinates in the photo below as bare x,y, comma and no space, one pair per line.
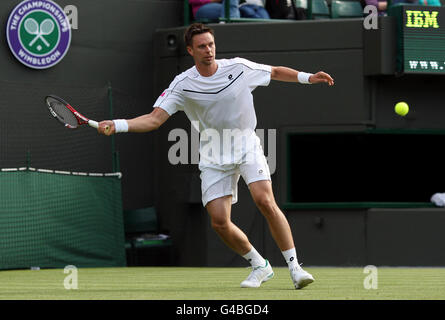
120,125
303,77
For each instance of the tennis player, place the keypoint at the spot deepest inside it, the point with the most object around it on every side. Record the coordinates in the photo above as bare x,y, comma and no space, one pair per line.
216,95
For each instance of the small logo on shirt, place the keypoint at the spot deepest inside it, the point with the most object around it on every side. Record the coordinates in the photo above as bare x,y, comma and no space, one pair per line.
230,77
163,94
260,172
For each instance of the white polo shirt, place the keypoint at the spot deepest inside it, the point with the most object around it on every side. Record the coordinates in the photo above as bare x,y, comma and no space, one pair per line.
222,105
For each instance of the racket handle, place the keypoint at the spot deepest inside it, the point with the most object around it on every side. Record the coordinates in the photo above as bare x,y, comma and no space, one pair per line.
93,124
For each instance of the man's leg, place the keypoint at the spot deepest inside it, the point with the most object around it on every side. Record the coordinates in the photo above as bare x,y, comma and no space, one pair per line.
211,10
279,227
233,9
263,197
220,211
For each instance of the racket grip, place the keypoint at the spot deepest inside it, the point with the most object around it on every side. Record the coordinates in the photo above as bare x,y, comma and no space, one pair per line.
93,124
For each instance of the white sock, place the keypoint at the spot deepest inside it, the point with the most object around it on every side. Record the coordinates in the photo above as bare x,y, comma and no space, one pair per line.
254,258
291,258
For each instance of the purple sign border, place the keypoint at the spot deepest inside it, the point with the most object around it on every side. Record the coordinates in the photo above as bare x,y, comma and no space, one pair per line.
16,46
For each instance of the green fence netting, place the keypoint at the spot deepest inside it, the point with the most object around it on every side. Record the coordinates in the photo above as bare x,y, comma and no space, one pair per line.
51,219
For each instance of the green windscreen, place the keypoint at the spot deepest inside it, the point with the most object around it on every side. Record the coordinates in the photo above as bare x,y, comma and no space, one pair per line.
51,220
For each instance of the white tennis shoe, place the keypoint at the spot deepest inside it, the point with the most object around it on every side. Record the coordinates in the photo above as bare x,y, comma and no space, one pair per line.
258,276
300,277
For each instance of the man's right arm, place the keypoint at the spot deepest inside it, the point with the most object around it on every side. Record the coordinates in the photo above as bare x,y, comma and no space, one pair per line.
145,123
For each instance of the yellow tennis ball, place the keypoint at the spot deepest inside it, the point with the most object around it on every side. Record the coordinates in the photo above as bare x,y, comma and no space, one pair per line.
401,108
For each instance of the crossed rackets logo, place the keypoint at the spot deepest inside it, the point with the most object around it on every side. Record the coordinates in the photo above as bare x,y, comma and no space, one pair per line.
39,33
45,28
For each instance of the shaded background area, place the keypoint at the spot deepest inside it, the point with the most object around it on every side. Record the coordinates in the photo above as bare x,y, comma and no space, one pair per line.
111,49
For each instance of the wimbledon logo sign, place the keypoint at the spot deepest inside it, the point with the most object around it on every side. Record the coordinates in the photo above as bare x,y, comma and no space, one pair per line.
38,33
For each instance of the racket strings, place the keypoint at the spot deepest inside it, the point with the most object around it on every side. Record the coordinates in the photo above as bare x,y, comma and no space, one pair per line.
62,113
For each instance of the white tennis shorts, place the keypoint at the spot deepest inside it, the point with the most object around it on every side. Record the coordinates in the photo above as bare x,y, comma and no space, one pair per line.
217,182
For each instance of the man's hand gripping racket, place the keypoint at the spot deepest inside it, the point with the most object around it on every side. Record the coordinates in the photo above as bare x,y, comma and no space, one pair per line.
71,118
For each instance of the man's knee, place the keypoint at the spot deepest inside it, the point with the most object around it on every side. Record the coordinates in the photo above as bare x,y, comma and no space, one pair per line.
220,225
219,212
267,205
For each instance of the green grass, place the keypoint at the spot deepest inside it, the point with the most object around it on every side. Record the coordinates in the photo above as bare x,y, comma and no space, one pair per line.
172,283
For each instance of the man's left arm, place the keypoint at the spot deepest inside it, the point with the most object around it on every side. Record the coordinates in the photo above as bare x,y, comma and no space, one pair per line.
292,75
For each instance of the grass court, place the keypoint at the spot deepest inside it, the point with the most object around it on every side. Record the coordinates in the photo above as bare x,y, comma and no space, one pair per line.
182,283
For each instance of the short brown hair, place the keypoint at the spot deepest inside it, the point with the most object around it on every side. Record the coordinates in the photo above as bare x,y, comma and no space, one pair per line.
193,30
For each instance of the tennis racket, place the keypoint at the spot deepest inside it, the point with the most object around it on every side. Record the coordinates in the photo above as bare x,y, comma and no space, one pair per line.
67,115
